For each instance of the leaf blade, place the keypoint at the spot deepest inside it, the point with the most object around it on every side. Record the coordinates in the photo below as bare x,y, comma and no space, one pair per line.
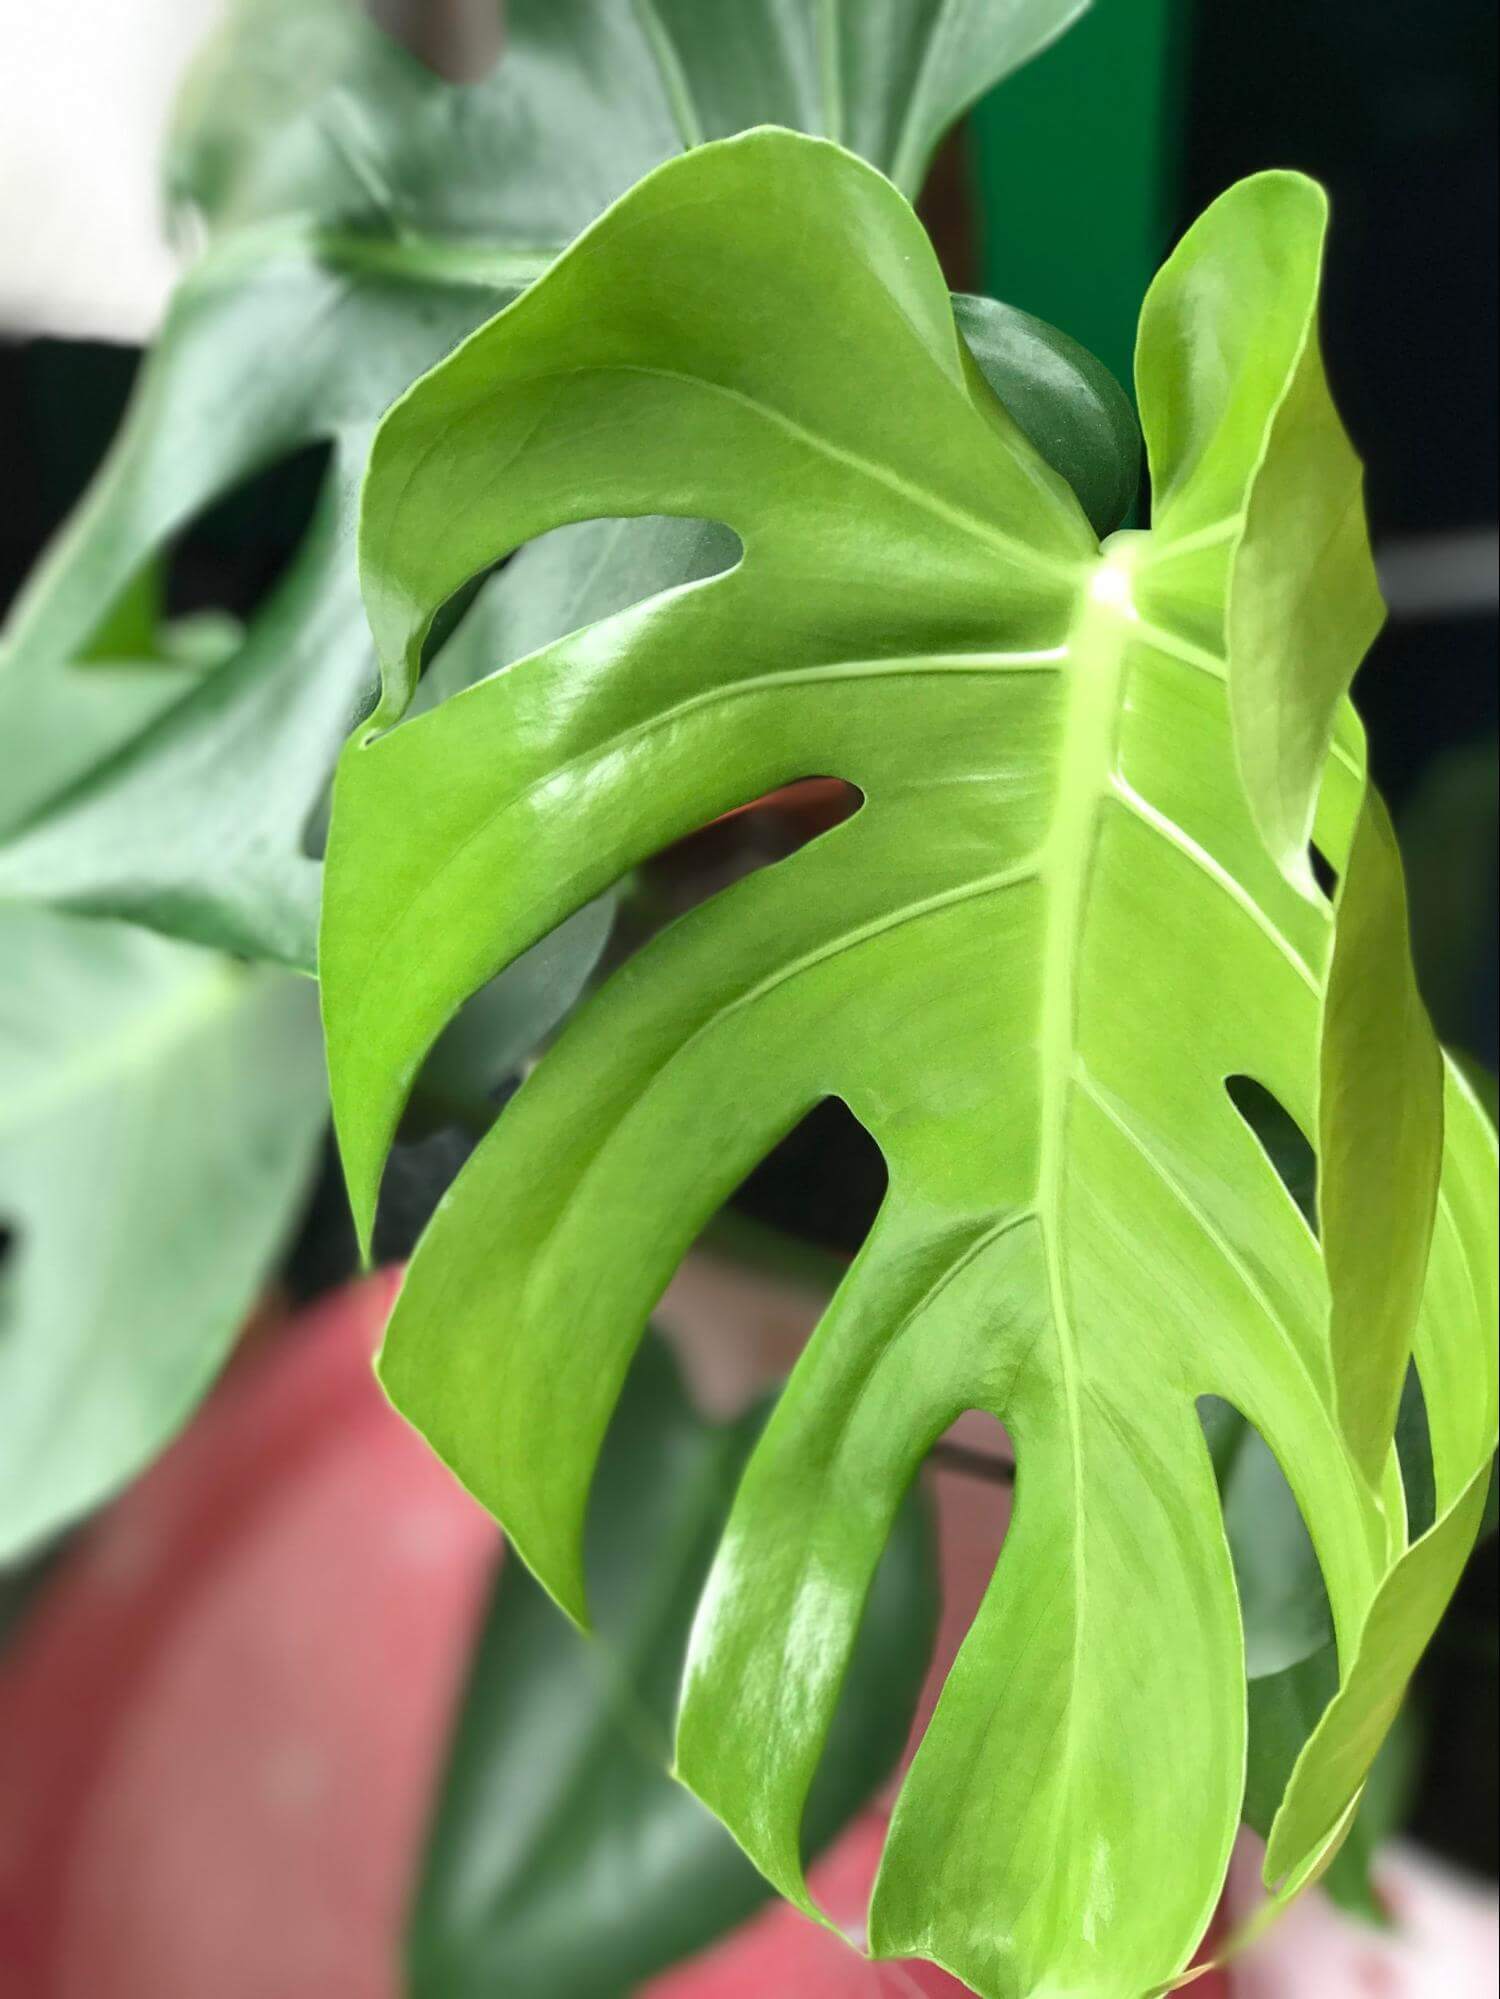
1042,732
130,1062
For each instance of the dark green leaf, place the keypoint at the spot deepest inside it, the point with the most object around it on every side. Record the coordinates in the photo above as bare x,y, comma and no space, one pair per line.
1068,404
564,1863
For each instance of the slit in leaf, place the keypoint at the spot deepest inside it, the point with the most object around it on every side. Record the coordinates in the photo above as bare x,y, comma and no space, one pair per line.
1282,1140
1283,1600
560,583
234,553
1325,874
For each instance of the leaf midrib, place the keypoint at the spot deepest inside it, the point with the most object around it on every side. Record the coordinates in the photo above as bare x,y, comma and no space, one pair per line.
1086,766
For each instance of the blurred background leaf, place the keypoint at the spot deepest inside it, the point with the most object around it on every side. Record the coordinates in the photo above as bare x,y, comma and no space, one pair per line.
160,1111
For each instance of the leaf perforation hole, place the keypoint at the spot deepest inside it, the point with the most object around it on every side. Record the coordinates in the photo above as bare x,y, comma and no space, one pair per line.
821,1186
890,1685
235,551
1284,1604
1414,1450
424,1163
972,1471
749,1291
977,1446
561,583
971,1477
1282,1140
962,1510
740,842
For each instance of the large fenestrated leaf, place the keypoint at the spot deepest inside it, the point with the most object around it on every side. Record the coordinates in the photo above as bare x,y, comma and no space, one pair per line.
160,1115
563,1863
1064,917
365,215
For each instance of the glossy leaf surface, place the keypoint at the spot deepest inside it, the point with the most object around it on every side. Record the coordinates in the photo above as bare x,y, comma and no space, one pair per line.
1029,964
364,216
564,1863
160,1114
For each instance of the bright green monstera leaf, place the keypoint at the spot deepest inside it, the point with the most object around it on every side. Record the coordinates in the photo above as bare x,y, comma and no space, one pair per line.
1070,911
364,215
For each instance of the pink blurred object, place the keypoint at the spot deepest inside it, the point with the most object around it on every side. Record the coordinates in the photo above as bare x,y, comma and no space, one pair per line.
780,1952
221,1725
1444,1944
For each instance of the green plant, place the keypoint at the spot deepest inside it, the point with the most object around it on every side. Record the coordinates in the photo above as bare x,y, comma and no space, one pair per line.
1075,904
732,493
164,1101
556,1786
361,216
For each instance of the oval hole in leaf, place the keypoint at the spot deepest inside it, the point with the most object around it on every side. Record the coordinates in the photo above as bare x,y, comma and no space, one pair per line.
739,843
235,552
558,583
824,1182
977,1447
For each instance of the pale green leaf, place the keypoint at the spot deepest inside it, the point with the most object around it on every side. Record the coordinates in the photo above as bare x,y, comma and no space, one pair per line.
1380,1114
1284,1710
196,825
1455,1357
305,102
1251,468
1029,964
160,1114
